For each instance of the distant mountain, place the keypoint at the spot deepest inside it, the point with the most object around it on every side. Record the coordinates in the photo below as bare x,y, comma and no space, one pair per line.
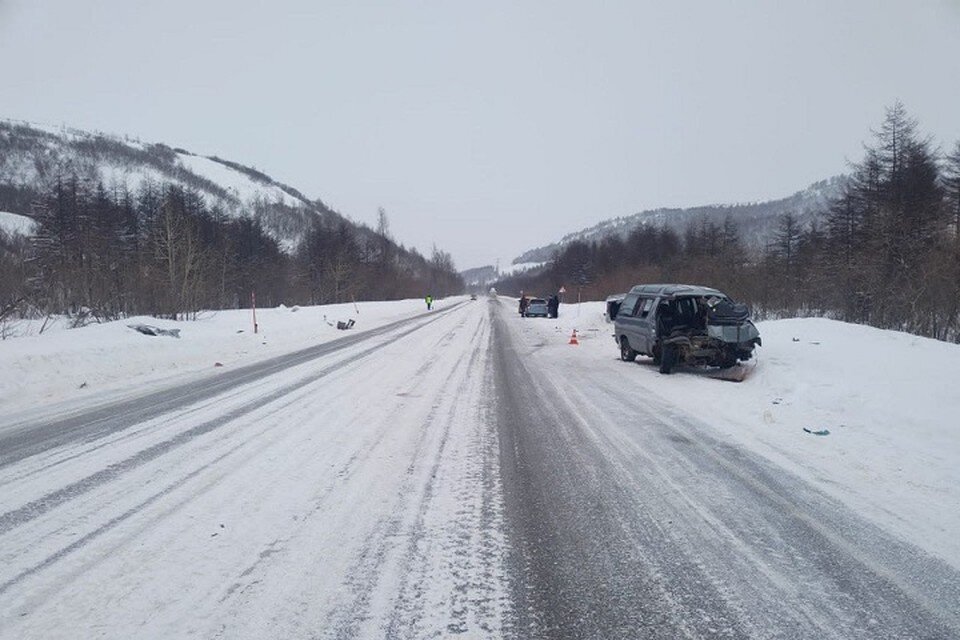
32,156
757,221
479,276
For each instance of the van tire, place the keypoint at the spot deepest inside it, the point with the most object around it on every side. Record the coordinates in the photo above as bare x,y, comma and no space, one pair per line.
626,353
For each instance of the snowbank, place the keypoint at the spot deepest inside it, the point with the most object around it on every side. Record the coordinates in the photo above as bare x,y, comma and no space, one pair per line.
64,364
889,400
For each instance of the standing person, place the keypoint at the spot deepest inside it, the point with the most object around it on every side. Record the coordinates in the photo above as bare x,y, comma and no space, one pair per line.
523,304
553,306
429,300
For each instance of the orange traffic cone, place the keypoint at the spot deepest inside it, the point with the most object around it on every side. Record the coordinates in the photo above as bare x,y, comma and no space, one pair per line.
573,338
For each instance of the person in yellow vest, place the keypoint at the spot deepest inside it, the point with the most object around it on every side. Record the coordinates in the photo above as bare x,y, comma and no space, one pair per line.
429,300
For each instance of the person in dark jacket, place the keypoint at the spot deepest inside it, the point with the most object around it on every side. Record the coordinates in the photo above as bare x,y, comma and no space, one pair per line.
523,303
553,306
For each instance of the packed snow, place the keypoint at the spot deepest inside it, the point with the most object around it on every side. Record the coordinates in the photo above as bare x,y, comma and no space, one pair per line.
889,401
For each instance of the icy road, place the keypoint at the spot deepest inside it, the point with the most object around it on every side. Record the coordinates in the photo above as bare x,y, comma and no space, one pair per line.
447,475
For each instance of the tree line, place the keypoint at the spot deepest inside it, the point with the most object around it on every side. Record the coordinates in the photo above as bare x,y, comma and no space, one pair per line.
885,252
107,253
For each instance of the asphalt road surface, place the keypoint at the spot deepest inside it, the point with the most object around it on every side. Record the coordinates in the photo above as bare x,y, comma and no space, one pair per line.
629,519
437,477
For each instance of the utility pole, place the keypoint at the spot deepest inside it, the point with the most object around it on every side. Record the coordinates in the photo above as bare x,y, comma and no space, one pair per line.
253,306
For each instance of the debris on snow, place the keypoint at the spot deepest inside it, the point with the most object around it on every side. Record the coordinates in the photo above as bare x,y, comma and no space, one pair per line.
148,330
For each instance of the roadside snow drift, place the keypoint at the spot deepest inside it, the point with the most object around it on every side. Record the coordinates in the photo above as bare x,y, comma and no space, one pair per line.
74,364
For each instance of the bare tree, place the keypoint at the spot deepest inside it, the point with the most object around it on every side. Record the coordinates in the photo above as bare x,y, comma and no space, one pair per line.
179,257
951,183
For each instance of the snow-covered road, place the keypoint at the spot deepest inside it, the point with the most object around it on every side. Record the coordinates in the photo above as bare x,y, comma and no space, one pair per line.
353,494
463,473
629,517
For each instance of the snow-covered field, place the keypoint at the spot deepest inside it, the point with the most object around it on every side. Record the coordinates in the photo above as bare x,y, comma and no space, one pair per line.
889,400
101,360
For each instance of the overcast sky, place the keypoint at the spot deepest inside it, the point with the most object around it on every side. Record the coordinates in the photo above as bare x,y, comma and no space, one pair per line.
493,127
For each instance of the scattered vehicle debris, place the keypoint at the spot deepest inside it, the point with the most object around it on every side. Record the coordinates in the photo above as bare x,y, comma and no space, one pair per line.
817,432
736,373
343,326
149,330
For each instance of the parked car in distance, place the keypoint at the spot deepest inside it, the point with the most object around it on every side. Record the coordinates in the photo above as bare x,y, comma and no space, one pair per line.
536,307
473,296
684,324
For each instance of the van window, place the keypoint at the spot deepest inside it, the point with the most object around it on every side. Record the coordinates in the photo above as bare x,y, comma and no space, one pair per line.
643,310
686,309
628,305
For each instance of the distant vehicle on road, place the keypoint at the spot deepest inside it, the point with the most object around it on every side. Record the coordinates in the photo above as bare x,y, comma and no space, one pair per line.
473,296
536,307
684,324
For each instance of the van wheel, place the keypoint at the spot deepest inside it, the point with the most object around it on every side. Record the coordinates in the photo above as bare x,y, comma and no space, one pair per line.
668,358
626,353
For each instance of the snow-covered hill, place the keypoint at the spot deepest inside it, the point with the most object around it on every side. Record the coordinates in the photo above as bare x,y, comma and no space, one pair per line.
32,156
15,224
757,221
479,277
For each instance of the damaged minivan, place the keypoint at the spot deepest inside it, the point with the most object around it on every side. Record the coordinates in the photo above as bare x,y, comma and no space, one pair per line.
684,324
